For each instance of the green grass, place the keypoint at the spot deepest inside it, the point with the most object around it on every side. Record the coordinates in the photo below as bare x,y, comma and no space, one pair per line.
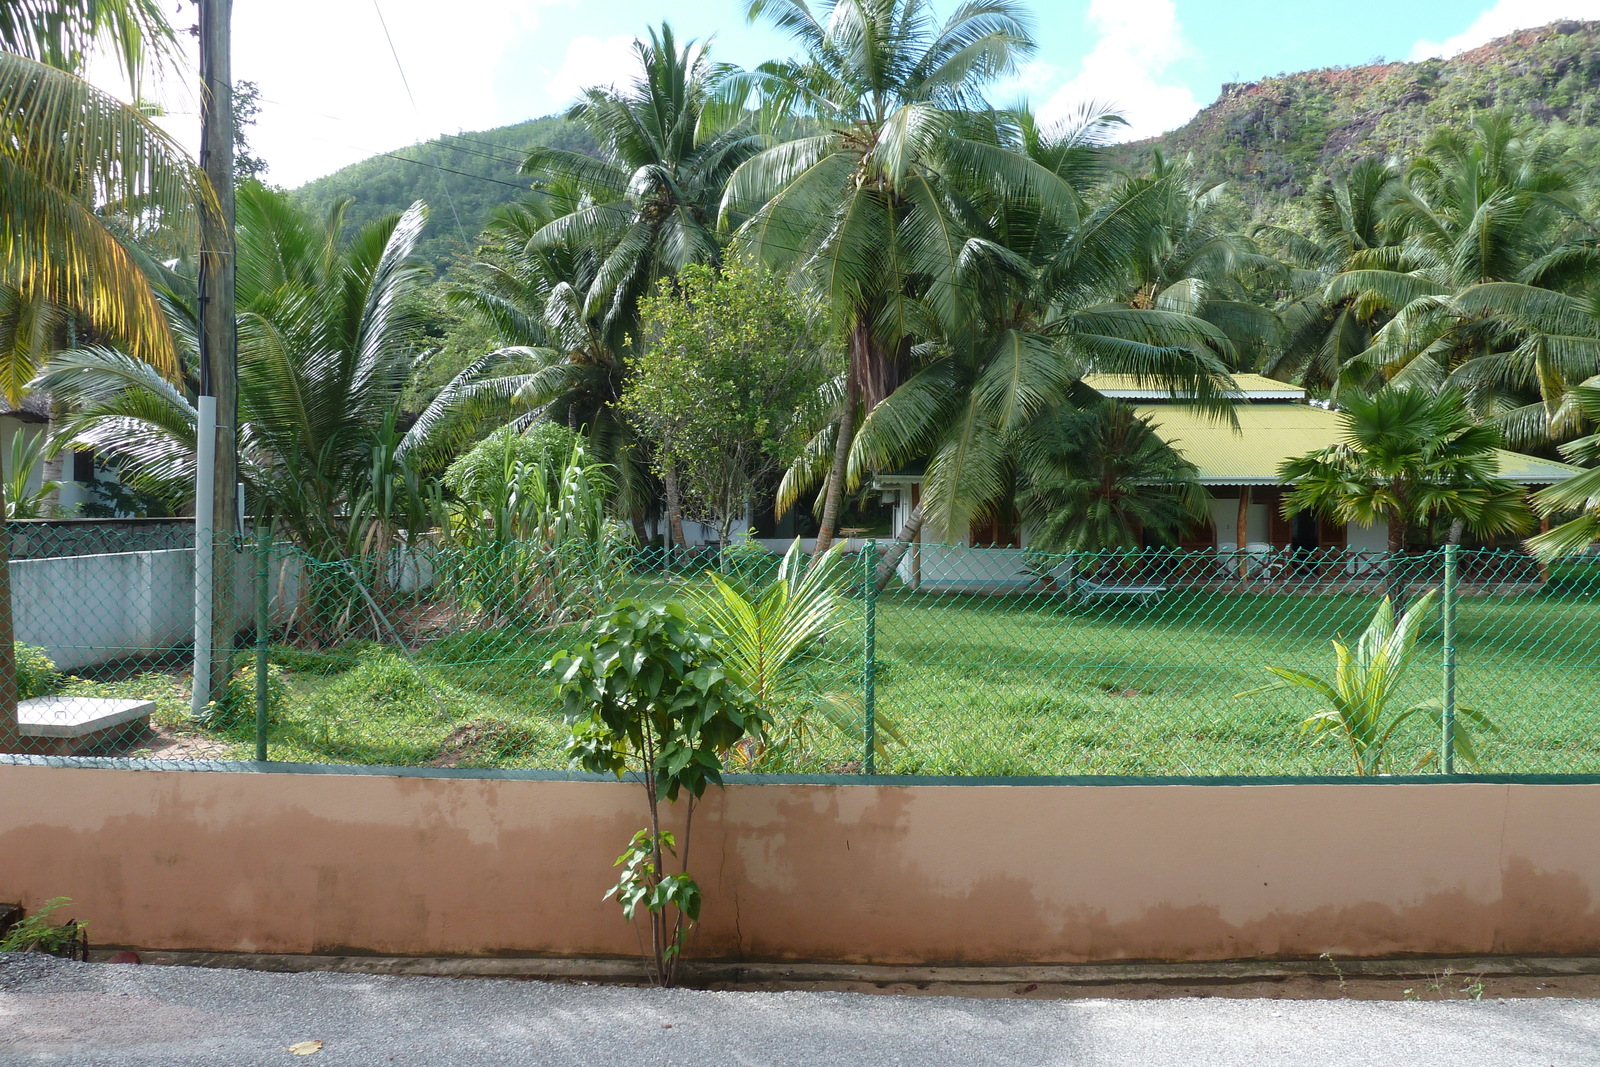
986,686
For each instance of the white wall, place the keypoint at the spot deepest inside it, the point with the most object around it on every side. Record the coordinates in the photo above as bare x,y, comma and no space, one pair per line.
85,610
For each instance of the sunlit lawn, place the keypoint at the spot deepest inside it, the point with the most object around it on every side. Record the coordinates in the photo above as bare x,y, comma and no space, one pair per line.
992,686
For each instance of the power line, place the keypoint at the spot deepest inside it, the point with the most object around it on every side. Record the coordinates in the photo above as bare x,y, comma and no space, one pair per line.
461,231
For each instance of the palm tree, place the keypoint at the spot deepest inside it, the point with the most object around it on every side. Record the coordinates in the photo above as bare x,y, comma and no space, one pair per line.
1410,457
324,359
1193,263
530,293
1482,219
1580,493
81,172
866,207
1093,479
71,159
648,205
1321,338
1045,310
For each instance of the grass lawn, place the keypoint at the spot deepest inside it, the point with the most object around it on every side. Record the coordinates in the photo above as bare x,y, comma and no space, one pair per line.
982,685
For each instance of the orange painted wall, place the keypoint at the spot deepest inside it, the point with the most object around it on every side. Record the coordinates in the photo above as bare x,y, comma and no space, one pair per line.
330,863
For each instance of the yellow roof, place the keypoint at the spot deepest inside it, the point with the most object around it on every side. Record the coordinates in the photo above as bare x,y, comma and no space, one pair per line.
1130,387
1268,434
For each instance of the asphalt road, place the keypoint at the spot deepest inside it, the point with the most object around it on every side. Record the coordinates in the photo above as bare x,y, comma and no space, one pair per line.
109,1015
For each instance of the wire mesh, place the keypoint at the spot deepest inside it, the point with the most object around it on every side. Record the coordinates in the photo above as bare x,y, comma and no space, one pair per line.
960,661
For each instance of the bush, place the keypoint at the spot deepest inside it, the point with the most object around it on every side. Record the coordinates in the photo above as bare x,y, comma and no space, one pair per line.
36,672
234,712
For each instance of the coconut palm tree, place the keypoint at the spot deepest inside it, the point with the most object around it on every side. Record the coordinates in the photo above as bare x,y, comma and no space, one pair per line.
1580,494
1479,213
530,293
81,172
1193,262
1410,456
648,205
1321,338
865,207
72,160
1046,308
324,361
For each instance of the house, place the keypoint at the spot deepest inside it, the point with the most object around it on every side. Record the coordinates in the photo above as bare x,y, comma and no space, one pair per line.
75,471
1237,465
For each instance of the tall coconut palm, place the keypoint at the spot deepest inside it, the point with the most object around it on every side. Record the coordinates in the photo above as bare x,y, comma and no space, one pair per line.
866,208
1322,337
80,172
1492,205
325,357
72,158
1046,308
1192,262
648,205
530,293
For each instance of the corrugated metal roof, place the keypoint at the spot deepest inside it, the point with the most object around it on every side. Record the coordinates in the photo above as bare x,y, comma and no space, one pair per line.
1268,434
1129,387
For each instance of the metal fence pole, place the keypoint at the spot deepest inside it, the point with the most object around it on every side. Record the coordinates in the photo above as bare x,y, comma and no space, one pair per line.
1447,611
869,695
263,634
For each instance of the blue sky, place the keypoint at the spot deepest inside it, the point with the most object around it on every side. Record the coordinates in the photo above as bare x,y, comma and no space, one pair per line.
333,93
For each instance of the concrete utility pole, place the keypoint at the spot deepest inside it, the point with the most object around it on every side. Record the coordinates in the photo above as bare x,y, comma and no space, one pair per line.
216,467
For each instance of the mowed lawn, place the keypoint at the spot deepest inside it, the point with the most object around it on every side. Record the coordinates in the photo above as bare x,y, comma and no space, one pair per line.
1000,686
1024,686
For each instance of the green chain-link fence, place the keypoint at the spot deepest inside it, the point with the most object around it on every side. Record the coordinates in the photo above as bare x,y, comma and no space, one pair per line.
938,660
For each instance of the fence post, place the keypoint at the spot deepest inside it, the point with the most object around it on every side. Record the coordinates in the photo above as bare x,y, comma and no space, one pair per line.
263,634
1447,613
869,695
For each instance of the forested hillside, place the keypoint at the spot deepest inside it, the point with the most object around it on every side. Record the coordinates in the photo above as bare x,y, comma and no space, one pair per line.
461,177
1272,138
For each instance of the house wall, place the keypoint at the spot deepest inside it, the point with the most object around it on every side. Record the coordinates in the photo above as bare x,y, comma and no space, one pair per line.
886,873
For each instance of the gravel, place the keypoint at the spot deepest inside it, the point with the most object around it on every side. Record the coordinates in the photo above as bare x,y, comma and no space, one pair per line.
59,1012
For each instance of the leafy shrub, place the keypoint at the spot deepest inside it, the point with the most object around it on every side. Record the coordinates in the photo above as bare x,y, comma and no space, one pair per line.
37,933
36,672
234,712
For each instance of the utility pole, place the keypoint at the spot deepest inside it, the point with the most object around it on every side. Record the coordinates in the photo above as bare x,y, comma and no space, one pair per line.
216,467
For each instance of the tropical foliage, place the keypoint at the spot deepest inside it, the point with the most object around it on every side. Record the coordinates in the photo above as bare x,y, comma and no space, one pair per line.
1360,712
1410,457
723,388
324,360
1100,478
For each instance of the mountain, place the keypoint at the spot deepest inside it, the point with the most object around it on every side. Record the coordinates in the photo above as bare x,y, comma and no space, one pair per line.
462,178
1272,139
1276,137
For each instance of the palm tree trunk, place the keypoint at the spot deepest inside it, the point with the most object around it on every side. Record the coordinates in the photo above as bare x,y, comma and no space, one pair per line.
890,560
10,733
1397,575
841,464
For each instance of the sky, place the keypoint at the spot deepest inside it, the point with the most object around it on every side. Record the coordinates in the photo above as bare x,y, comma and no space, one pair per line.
341,80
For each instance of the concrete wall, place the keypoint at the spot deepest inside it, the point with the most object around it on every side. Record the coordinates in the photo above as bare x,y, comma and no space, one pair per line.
336,863
85,610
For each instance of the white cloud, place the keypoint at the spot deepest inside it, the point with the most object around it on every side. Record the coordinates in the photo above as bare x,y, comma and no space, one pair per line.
1504,17
1137,41
331,90
591,61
